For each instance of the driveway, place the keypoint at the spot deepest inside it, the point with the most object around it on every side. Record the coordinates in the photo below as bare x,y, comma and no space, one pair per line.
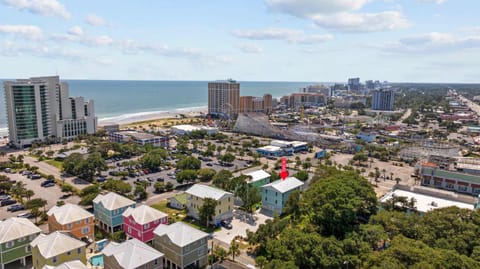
240,224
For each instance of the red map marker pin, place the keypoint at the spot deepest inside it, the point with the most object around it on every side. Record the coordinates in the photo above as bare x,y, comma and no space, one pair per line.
284,173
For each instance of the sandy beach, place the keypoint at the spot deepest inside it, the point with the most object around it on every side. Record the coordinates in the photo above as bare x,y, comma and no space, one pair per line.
129,119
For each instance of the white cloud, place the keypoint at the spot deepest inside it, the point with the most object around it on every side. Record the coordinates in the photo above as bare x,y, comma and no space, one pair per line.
432,43
305,8
340,15
24,31
42,7
250,48
75,31
10,49
362,22
76,34
289,35
95,20
435,1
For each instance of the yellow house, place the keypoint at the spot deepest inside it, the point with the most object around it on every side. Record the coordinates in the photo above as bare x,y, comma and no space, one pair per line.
56,248
198,192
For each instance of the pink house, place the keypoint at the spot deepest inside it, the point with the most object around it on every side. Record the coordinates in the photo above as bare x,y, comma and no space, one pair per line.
140,222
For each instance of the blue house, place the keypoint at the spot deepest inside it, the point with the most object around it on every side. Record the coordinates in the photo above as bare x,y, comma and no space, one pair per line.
108,210
369,138
275,194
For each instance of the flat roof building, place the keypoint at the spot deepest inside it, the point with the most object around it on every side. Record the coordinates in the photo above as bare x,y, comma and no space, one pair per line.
187,129
139,138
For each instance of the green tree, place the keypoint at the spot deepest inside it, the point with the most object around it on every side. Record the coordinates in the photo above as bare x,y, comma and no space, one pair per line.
234,249
159,187
206,174
117,186
68,189
302,175
249,195
227,158
292,206
140,192
70,162
186,176
222,178
189,163
154,158
207,210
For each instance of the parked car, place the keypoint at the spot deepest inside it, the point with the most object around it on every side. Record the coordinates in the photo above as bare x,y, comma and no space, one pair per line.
5,197
26,215
226,224
35,176
47,182
26,173
160,179
7,202
209,164
15,208
48,185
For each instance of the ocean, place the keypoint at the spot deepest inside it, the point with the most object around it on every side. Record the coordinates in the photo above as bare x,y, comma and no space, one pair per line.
119,99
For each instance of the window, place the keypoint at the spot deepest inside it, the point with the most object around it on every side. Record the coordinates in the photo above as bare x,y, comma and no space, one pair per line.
219,211
229,199
69,226
54,259
9,244
155,262
275,201
146,226
28,248
21,239
69,253
276,193
462,188
78,222
79,250
129,229
87,221
265,198
449,186
156,221
85,230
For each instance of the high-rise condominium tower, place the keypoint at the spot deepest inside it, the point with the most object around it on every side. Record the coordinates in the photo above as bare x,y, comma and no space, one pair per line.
224,98
40,109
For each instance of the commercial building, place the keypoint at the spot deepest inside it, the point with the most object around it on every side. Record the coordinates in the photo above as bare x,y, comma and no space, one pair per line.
40,109
56,248
139,138
139,222
15,237
354,85
272,151
183,246
449,180
383,99
187,129
295,146
275,194
224,98
325,90
131,254
73,219
108,209
299,100
199,192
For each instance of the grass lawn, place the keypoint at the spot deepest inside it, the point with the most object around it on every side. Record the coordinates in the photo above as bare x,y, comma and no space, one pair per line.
57,164
180,215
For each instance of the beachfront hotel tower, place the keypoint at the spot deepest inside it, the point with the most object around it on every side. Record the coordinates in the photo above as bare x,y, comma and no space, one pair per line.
40,109
224,98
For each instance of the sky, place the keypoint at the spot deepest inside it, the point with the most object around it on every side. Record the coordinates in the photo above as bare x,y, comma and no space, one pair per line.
249,40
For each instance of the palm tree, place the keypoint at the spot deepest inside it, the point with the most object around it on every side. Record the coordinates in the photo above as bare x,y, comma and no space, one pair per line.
391,175
29,194
384,172
234,249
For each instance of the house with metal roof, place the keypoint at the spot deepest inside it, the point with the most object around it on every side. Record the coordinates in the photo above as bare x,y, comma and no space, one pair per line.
275,194
72,218
56,248
108,209
15,237
76,264
199,192
258,178
178,201
131,254
140,222
183,245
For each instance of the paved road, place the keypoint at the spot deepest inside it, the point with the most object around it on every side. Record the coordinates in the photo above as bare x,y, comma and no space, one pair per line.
404,116
473,106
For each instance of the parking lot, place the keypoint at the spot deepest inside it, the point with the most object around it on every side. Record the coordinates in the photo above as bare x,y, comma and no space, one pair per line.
240,224
50,194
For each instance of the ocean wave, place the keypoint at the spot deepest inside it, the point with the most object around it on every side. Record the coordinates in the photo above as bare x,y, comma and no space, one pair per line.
149,115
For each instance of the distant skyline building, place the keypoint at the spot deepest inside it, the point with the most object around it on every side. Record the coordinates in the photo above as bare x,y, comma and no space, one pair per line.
40,109
327,91
299,100
256,104
354,85
383,99
224,98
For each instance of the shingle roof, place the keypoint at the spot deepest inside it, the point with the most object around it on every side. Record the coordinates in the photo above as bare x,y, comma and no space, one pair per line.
144,214
55,243
112,201
69,213
132,253
285,185
76,264
258,175
14,228
180,234
204,191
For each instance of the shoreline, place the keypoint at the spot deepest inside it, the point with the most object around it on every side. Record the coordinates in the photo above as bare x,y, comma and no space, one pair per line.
139,117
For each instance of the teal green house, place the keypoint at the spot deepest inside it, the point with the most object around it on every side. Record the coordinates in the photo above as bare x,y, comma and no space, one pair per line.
275,194
15,237
258,178
108,209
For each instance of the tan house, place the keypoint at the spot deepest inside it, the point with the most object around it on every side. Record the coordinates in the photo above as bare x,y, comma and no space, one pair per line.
131,254
183,246
198,192
73,219
56,248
